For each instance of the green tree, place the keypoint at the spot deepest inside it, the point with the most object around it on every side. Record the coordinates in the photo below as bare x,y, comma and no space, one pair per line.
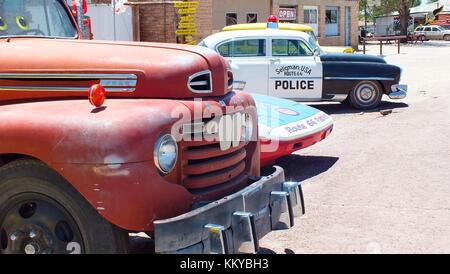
402,7
369,12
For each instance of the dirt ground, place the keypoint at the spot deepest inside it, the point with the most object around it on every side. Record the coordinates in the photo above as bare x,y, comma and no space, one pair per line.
377,184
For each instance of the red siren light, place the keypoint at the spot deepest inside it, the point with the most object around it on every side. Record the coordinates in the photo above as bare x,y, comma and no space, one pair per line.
97,95
272,19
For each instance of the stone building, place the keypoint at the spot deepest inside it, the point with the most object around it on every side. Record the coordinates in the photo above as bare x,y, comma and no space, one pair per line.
335,22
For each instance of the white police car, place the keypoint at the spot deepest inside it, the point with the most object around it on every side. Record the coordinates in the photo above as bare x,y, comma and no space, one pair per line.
288,64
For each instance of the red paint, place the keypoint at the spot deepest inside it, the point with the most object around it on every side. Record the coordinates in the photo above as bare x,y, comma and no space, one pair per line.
288,147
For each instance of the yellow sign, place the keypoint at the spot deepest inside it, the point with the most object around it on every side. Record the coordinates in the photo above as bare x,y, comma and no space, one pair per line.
187,25
192,43
192,4
187,11
189,38
187,18
187,31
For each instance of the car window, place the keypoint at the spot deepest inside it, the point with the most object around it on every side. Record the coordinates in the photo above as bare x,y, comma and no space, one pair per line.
419,29
243,48
427,29
289,47
42,18
434,29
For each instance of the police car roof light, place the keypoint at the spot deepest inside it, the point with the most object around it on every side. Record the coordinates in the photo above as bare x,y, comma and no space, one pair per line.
272,19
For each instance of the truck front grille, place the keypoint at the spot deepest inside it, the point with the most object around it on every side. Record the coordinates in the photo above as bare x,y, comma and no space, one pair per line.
206,165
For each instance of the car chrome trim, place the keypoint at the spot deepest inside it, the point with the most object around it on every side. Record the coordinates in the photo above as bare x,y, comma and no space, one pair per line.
239,85
235,223
399,91
360,78
65,76
156,153
337,97
112,82
61,89
118,83
190,84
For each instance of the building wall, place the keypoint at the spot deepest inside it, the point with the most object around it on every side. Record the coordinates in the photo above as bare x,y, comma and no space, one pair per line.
266,7
222,7
158,22
322,5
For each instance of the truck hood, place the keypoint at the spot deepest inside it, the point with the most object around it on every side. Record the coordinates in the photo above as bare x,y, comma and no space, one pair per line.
49,68
337,57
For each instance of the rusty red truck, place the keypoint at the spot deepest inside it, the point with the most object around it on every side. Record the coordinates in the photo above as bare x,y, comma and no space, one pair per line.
173,151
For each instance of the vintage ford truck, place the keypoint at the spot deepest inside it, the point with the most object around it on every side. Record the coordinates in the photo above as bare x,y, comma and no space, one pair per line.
173,151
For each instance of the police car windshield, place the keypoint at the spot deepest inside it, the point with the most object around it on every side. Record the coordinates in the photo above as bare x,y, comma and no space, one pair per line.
35,18
313,40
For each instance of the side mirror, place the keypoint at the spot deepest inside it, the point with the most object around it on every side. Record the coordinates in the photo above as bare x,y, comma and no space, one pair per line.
316,52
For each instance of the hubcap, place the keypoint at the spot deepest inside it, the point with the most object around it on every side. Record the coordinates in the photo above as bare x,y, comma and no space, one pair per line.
31,248
366,93
35,224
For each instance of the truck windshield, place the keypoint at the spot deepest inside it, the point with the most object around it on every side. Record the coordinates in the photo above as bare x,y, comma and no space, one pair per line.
35,18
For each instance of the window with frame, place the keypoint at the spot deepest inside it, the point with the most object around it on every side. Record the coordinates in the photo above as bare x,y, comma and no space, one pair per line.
332,21
332,15
427,29
231,18
252,17
310,16
243,48
290,47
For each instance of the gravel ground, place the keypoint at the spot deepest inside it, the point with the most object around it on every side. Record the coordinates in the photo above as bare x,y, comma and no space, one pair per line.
377,184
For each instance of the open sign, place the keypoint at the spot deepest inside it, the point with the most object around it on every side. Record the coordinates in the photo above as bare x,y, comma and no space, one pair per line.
287,14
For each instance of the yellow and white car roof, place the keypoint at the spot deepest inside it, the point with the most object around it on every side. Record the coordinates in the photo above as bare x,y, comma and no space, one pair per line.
215,39
255,26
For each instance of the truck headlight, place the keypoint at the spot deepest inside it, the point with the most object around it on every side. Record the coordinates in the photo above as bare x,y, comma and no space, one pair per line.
166,153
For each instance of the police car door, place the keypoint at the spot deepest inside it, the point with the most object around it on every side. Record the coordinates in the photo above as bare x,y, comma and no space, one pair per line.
294,71
249,62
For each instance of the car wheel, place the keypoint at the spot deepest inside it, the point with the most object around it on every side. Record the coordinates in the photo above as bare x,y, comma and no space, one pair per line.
447,37
422,38
40,213
366,95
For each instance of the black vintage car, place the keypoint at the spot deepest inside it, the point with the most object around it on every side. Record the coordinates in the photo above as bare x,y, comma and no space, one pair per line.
290,64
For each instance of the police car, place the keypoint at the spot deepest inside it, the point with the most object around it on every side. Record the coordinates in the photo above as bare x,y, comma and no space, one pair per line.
288,64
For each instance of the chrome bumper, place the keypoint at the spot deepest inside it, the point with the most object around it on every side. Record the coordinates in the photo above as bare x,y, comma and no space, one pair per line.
233,224
398,91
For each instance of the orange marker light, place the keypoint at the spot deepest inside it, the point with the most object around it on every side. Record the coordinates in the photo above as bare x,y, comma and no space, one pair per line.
97,95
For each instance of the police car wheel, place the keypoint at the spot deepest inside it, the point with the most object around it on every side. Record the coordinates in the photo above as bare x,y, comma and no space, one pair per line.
366,95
